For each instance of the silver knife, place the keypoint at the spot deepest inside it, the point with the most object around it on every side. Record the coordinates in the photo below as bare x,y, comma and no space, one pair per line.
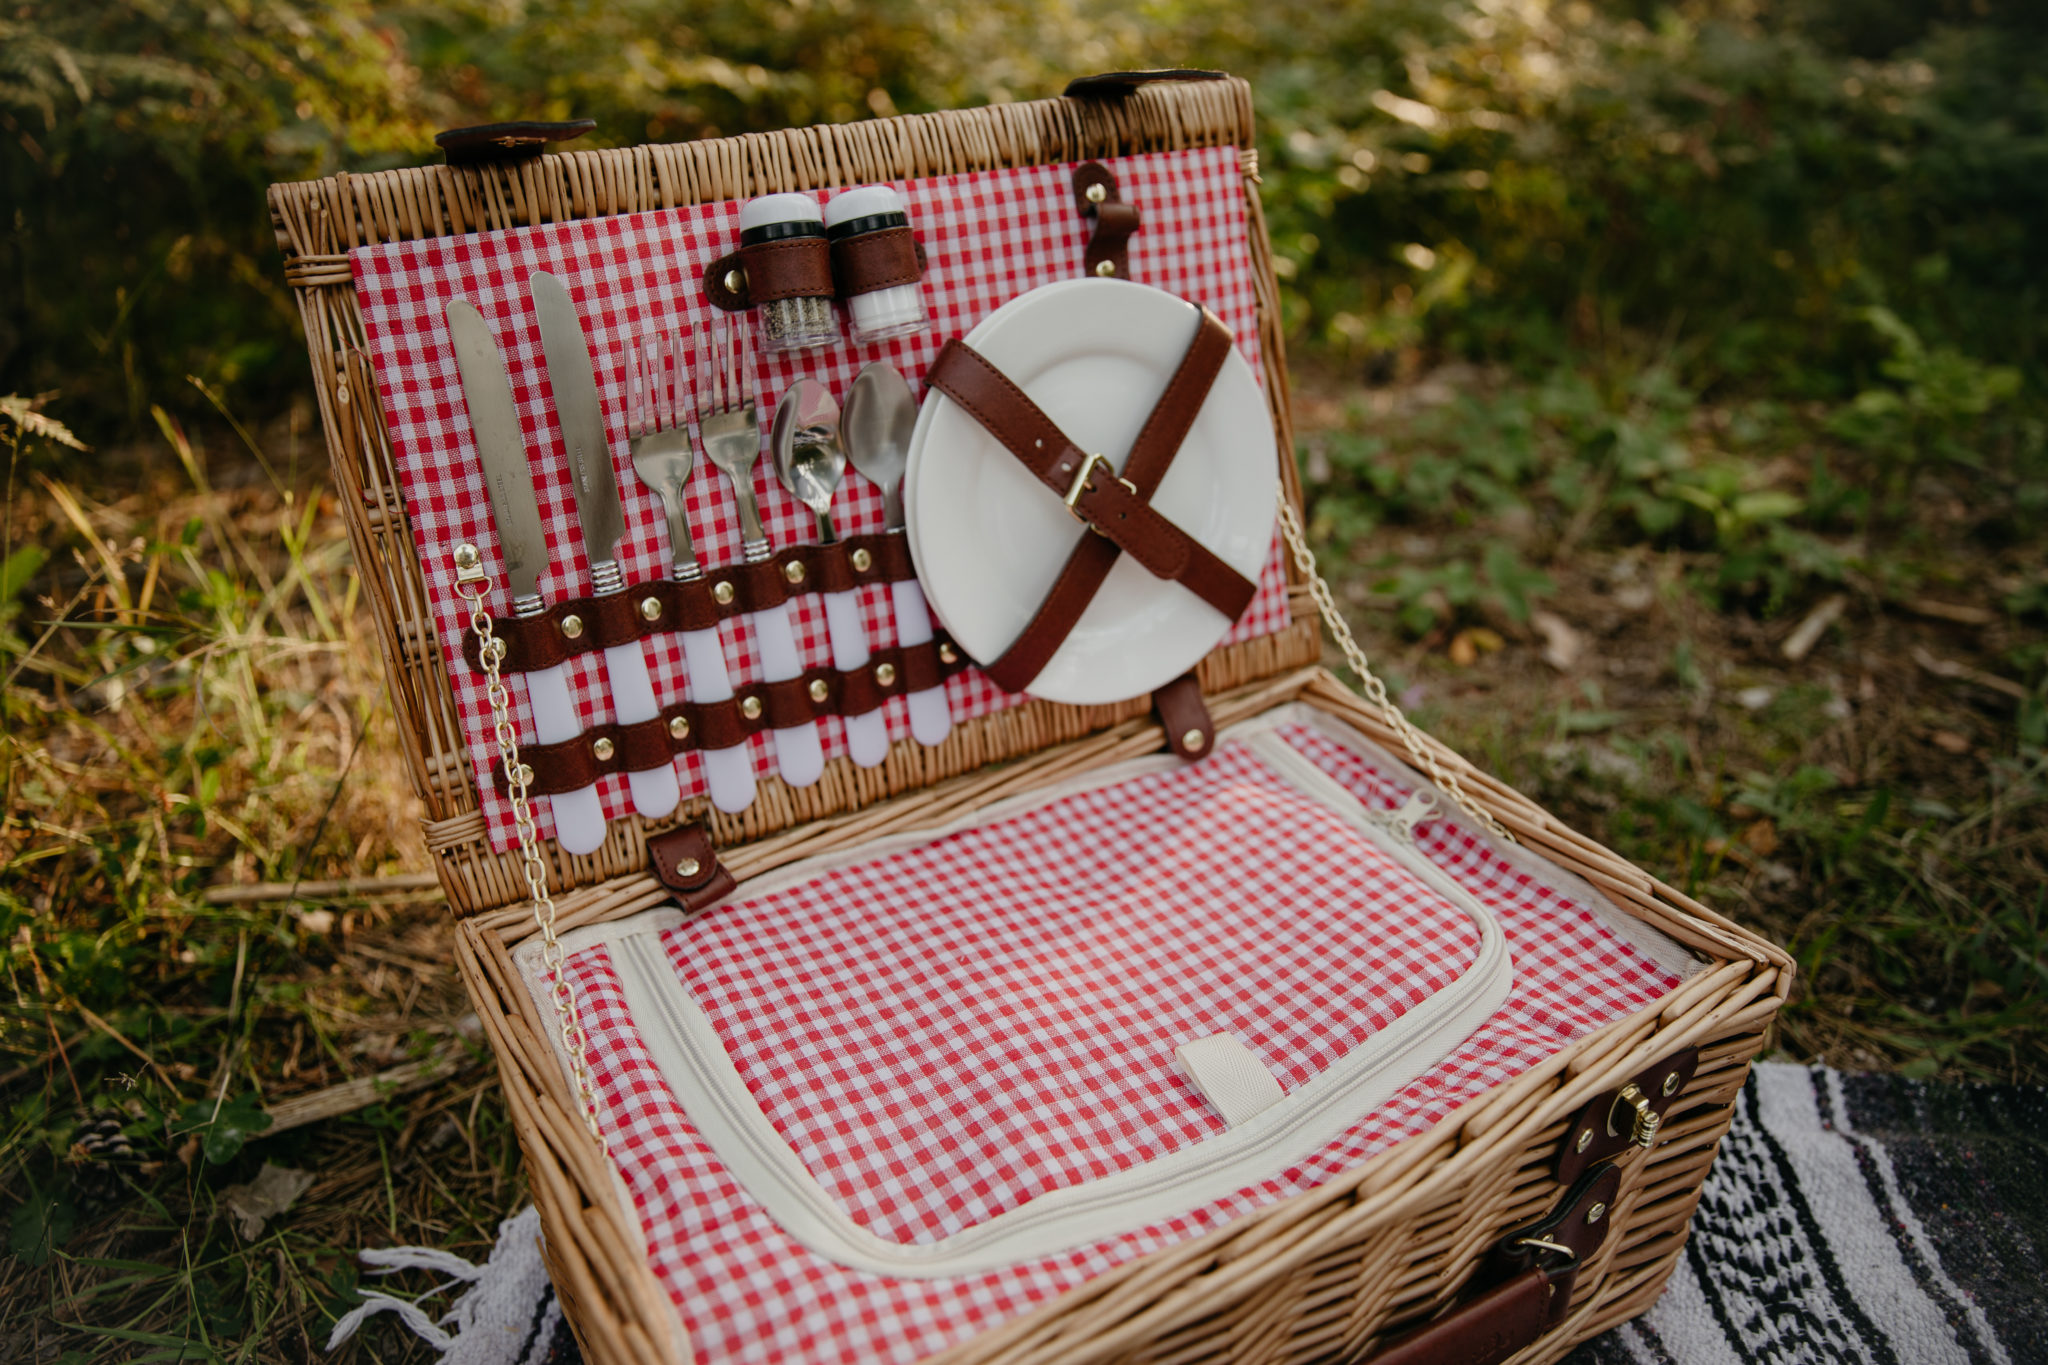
508,478
596,479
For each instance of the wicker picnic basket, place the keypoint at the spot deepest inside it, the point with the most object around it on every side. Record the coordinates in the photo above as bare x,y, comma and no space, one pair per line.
1339,1271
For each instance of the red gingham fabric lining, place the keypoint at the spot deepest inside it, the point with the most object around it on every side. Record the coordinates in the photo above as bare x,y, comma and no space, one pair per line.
747,1292
947,1033
990,236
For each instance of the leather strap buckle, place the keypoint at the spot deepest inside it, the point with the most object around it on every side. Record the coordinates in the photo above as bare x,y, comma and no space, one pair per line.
1081,486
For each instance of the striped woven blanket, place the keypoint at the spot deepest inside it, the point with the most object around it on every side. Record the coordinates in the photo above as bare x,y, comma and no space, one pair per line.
1850,1219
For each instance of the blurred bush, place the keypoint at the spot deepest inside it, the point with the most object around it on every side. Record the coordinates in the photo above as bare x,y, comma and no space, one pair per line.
1737,187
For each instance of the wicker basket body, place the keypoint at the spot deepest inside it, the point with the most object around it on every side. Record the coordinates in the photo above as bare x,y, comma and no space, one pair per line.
1325,1274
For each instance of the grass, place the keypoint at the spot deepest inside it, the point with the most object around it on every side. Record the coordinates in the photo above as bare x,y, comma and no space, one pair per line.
1585,579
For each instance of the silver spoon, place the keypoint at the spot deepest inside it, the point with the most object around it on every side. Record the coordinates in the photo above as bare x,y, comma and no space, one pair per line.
810,463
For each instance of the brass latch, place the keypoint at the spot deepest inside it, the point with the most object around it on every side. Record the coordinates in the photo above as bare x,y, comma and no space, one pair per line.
1642,1119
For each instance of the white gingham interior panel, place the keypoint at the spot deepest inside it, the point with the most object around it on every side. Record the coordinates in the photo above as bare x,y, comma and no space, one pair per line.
1321,950
989,236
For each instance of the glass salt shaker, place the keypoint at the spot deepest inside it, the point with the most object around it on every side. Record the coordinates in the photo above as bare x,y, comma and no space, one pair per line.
803,322
899,309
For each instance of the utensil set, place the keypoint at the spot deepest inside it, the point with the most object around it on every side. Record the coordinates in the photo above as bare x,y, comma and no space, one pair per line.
810,459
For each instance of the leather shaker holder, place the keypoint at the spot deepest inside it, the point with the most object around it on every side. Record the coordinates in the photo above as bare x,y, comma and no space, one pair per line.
868,261
584,624
762,272
685,727
686,863
1095,194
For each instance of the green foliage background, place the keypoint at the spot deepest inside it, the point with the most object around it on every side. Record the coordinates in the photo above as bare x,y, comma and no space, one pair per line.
1737,181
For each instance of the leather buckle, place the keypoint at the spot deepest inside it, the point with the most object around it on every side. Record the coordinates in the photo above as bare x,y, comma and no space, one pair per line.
1081,485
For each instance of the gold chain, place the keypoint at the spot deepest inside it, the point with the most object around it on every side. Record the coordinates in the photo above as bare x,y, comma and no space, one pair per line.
473,585
1375,690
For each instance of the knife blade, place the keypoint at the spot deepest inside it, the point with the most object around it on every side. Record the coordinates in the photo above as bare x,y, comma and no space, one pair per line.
522,546
596,480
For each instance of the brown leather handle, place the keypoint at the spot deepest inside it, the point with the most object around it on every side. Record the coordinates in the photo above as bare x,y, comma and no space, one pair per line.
1121,84
1529,1275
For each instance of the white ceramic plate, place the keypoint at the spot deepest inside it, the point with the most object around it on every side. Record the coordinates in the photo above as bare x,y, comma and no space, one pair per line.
989,539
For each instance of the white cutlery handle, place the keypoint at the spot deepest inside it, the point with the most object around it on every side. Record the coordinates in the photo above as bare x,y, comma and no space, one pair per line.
867,736
579,816
798,754
930,718
727,771
655,792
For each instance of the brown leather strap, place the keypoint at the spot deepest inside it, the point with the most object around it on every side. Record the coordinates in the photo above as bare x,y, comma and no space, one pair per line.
687,864
544,640
1095,194
492,142
1607,1125
795,267
876,260
1117,506
1190,732
891,671
1530,1274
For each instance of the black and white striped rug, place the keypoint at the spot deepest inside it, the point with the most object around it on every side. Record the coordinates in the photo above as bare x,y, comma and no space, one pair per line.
1850,1219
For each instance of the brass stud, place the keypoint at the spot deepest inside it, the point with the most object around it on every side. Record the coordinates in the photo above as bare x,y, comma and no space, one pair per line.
1105,268
1096,192
885,675
526,774
688,867
1671,1084
948,654
794,571
735,282
650,608
572,626
750,707
467,558
862,561
678,727
603,748
818,689
1585,1139
1596,1213
1194,741
721,593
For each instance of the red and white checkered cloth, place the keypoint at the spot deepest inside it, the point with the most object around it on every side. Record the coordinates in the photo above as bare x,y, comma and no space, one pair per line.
942,1035
990,236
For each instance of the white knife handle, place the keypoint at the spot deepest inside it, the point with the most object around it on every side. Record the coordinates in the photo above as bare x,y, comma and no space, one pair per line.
797,752
655,792
727,771
579,816
930,718
867,736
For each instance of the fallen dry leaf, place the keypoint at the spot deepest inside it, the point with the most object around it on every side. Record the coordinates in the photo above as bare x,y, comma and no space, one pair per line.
274,1190
1762,837
1949,742
1562,645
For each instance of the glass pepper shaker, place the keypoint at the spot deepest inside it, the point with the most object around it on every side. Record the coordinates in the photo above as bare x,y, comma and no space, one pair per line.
854,221
804,321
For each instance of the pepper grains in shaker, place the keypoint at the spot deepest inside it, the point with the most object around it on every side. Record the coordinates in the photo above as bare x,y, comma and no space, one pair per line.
855,221
802,322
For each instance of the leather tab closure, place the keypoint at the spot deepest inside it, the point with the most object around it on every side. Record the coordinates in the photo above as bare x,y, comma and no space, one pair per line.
685,862
1190,732
1095,194
1119,85
1629,1117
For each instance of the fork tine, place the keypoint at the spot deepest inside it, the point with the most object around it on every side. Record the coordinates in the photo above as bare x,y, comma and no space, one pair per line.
636,390
674,342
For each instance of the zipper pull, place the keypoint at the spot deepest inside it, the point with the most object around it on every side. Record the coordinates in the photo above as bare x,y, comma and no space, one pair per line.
1420,806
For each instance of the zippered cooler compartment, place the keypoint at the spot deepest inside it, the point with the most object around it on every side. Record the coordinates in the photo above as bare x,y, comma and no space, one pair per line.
956,1050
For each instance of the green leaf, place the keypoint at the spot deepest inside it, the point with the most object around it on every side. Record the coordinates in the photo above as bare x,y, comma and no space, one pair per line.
21,566
223,1134
40,1226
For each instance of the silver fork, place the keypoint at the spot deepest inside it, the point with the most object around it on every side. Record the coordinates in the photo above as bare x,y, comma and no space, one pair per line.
732,441
663,458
